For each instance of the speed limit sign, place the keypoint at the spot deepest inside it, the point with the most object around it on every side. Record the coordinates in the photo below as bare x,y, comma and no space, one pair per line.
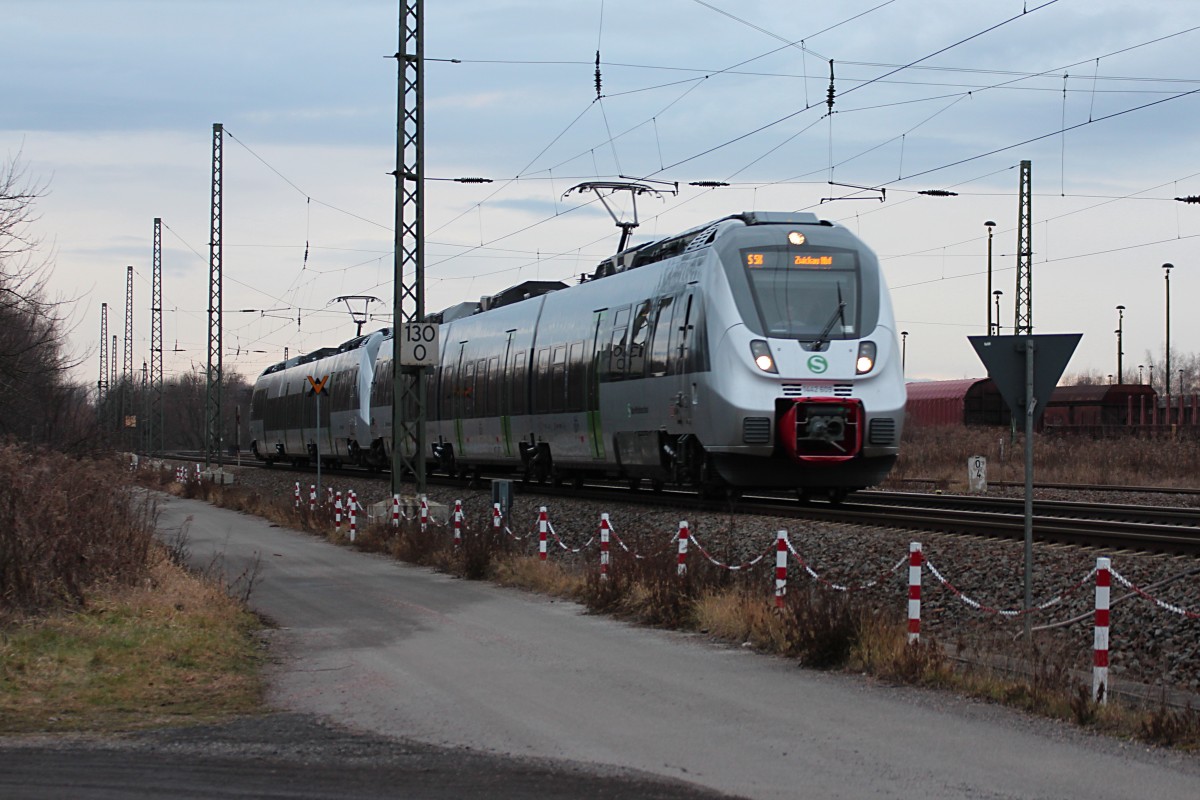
418,344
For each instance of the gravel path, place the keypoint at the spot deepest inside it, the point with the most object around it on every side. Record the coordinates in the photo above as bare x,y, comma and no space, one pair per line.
1150,646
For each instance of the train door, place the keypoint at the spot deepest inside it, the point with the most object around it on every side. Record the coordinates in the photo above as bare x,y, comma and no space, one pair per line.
592,386
457,385
681,360
506,406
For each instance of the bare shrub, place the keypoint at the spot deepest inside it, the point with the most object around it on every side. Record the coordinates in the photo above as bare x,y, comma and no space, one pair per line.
65,526
415,546
1171,726
822,628
882,649
607,594
475,558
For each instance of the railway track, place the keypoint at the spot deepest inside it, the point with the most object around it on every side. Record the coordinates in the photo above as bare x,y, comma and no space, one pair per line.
1144,528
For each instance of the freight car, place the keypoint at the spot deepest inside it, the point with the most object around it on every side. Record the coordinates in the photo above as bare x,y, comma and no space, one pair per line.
758,350
1093,409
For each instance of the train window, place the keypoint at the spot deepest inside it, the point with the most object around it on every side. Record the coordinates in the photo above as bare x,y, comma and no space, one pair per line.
613,357
481,388
541,382
595,360
518,401
576,376
638,335
797,294
681,338
662,338
466,393
493,389
447,410
558,378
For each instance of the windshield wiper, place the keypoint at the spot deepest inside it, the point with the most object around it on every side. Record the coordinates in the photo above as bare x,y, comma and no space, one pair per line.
838,314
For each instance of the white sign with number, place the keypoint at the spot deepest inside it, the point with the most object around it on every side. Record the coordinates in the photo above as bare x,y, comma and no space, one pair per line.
419,344
977,474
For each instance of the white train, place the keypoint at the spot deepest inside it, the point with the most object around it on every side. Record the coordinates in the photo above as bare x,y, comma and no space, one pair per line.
759,350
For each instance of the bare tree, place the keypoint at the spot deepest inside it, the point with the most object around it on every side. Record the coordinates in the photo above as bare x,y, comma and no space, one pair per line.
36,401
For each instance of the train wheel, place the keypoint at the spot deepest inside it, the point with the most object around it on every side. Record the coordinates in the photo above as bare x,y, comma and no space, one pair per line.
836,496
656,486
804,496
635,484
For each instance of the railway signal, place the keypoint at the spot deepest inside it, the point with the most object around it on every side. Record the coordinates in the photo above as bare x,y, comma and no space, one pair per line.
1026,381
318,389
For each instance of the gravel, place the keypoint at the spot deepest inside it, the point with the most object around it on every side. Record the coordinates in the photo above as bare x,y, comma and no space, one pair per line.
1152,649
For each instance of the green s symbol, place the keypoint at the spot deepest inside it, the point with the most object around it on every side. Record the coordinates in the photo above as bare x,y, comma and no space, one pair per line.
818,364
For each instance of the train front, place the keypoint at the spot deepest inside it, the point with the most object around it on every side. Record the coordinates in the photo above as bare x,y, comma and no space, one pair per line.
807,379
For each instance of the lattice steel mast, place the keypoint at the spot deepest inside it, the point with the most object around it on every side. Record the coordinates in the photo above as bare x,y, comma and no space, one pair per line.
212,439
154,421
1023,314
127,406
102,384
408,299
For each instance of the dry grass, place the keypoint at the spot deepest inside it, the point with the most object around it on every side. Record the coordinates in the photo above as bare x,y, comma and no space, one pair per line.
174,648
939,455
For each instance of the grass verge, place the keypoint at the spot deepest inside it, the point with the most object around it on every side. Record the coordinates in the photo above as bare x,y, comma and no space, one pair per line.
173,649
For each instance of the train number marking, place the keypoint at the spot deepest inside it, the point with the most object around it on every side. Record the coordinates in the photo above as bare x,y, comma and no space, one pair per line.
419,344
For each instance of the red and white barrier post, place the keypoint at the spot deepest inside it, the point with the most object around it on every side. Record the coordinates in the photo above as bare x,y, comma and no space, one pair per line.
353,516
495,518
1100,660
312,497
915,561
337,513
780,567
604,533
395,511
424,513
458,521
297,494
684,535
543,524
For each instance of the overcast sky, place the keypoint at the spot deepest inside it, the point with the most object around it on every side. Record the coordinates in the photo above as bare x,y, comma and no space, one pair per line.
111,105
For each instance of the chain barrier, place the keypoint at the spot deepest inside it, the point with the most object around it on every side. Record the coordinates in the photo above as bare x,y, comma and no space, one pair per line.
613,532
837,587
975,604
1163,604
563,544
731,567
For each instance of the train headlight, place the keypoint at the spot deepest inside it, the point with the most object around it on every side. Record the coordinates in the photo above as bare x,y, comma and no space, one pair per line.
866,358
762,356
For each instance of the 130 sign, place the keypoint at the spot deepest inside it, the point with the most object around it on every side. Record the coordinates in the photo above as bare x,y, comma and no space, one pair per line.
419,344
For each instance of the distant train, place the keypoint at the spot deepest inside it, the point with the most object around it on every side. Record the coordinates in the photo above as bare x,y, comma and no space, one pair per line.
1089,409
758,350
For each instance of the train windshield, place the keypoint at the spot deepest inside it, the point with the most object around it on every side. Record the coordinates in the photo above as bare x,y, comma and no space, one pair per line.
804,293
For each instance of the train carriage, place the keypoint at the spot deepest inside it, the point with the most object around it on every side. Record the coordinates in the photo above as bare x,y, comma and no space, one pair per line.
756,350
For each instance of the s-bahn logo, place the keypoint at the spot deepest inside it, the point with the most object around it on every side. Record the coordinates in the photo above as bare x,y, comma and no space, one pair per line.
818,364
